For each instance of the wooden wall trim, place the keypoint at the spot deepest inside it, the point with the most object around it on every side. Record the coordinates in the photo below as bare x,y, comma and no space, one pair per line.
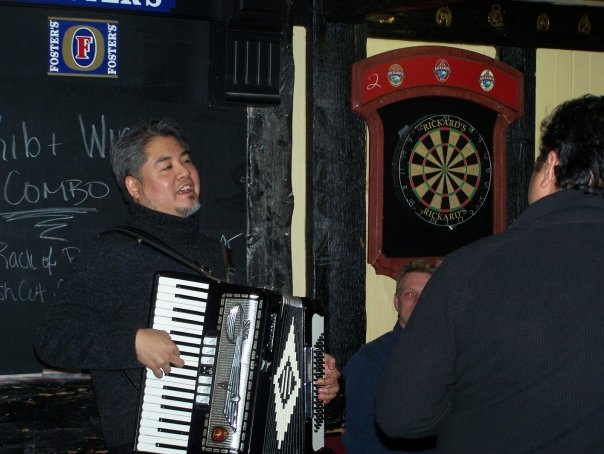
520,134
336,185
270,198
503,23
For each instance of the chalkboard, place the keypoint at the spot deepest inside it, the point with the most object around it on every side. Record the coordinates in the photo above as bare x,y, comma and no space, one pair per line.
57,190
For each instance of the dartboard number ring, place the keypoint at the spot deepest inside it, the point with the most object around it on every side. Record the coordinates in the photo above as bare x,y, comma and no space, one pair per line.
442,170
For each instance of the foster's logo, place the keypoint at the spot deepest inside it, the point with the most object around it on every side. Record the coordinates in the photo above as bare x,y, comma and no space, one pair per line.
84,44
83,48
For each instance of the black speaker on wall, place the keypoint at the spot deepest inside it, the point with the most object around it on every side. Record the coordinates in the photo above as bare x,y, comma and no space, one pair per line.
245,53
244,65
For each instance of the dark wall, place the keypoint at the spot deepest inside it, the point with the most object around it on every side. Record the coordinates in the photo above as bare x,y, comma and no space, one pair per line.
57,190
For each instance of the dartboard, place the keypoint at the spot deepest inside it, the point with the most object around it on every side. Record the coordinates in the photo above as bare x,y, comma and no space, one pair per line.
442,169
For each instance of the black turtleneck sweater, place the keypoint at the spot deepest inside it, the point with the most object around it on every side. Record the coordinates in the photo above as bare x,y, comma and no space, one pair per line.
93,322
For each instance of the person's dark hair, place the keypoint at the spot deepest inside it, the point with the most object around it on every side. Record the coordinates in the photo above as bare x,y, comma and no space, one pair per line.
575,131
127,154
418,266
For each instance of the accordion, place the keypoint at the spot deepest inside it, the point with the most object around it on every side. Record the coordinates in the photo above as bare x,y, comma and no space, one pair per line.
251,359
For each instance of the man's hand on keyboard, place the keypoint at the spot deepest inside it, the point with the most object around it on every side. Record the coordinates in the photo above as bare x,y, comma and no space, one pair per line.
155,350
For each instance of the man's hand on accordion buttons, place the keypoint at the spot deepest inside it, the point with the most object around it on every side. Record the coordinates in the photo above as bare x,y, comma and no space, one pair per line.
156,350
329,386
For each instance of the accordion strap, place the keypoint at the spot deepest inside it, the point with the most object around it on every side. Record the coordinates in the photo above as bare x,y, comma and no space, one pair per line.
143,236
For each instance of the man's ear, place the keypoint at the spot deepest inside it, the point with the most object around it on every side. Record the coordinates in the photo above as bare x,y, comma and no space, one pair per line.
549,175
133,186
395,302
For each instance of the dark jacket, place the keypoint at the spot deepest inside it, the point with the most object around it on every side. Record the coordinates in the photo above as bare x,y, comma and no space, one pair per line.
362,372
93,323
504,352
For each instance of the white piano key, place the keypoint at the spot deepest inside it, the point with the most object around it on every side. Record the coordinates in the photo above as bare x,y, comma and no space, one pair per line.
173,281
176,325
160,426
179,338
190,371
181,371
171,378
190,360
167,412
189,349
157,388
154,391
173,403
191,318
163,300
169,280
150,447
179,283
173,291
195,328
182,387
180,308
157,416
163,437
144,438
195,331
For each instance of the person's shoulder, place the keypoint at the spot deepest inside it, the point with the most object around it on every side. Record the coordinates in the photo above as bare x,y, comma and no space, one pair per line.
373,353
473,255
384,341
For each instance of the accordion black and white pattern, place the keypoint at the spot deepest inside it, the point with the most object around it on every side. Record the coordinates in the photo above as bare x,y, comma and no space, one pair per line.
251,359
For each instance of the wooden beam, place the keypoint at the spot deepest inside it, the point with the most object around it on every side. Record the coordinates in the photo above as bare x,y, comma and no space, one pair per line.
270,198
336,189
505,23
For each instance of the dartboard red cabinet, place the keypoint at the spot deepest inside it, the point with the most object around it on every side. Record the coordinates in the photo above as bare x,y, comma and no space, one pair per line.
437,119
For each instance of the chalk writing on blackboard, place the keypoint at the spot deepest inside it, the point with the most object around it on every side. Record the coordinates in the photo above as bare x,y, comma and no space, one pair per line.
25,145
55,187
47,220
227,241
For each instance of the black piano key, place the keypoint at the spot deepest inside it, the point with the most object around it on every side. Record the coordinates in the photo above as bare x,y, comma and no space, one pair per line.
172,431
175,374
173,421
188,311
167,446
190,297
182,333
152,408
168,397
173,408
185,344
190,287
184,320
176,388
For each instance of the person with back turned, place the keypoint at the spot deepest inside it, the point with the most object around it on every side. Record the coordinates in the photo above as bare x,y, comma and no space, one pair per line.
504,352
99,322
